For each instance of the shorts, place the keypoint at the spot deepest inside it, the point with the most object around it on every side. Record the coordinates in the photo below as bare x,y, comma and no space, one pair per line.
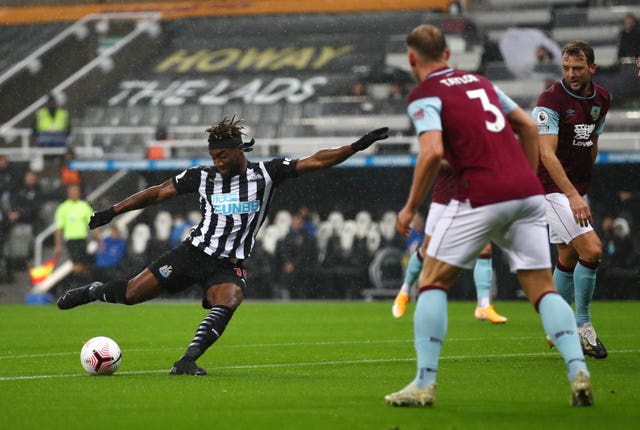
563,227
518,227
433,216
77,250
185,265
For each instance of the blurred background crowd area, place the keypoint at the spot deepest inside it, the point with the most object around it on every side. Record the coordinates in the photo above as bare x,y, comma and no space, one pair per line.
115,95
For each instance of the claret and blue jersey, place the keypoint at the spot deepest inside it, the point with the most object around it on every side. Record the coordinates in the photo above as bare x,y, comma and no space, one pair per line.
479,143
575,120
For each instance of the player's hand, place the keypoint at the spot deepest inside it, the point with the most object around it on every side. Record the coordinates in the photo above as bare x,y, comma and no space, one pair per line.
580,210
403,222
368,139
101,218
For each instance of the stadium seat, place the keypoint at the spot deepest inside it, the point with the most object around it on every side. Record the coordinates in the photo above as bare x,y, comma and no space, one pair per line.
152,116
388,225
374,238
348,236
271,114
191,115
282,220
270,239
162,225
18,247
140,236
363,224
323,233
336,221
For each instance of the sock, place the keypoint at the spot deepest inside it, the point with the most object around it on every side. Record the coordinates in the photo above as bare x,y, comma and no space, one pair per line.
482,277
559,323
209,330
111,292
430,328
404,288
584,278
563,280
413,271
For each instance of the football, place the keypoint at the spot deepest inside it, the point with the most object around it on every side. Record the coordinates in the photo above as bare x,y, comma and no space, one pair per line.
100,356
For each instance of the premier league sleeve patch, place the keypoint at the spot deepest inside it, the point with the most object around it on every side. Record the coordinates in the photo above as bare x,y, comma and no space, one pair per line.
546,119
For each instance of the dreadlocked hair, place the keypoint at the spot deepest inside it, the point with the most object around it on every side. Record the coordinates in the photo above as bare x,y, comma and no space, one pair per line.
227,128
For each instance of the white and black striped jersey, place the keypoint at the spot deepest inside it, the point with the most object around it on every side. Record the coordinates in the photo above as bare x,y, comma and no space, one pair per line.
233,208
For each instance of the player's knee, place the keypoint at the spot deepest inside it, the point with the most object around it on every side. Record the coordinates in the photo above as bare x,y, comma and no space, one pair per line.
229,295
132,298
592,253
137,294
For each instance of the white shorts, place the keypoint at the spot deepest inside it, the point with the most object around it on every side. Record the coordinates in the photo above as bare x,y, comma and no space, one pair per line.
435,213
518,227
563,227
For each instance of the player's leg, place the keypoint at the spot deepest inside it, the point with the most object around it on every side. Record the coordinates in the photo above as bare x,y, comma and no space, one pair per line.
589,248
415,263
430,328
225,299
411,275
562,230
457,240
563,272
560,325
483,279
143,287
529,256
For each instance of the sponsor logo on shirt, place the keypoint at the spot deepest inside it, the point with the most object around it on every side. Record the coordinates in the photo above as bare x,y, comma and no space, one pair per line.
229,204
582,134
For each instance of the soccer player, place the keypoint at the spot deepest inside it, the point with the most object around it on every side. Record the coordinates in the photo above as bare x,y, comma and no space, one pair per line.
468,121
443,190
570,116
234,196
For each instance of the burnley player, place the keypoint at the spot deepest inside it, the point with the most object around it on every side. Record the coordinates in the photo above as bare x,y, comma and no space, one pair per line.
443,190
570,116
466,120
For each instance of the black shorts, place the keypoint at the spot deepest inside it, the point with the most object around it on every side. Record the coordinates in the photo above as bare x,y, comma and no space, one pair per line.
77,250
186,265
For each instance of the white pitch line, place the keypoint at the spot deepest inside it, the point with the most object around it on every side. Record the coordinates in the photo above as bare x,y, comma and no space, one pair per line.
312,363
267,345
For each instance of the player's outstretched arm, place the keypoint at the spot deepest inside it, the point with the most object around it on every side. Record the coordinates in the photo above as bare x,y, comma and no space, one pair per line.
330,157
139,200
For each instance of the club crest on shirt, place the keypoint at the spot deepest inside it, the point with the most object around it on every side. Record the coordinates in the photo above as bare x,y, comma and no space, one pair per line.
166,271
595,112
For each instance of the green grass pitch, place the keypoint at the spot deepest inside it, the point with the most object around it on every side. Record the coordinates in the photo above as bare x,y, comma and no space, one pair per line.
306,365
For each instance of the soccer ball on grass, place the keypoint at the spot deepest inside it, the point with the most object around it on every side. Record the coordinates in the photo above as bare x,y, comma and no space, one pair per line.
100,356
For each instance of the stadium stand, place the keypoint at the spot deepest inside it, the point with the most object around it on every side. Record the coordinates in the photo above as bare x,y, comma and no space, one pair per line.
289,75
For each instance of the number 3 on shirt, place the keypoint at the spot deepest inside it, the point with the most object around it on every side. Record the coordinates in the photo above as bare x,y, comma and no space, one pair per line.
499,123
